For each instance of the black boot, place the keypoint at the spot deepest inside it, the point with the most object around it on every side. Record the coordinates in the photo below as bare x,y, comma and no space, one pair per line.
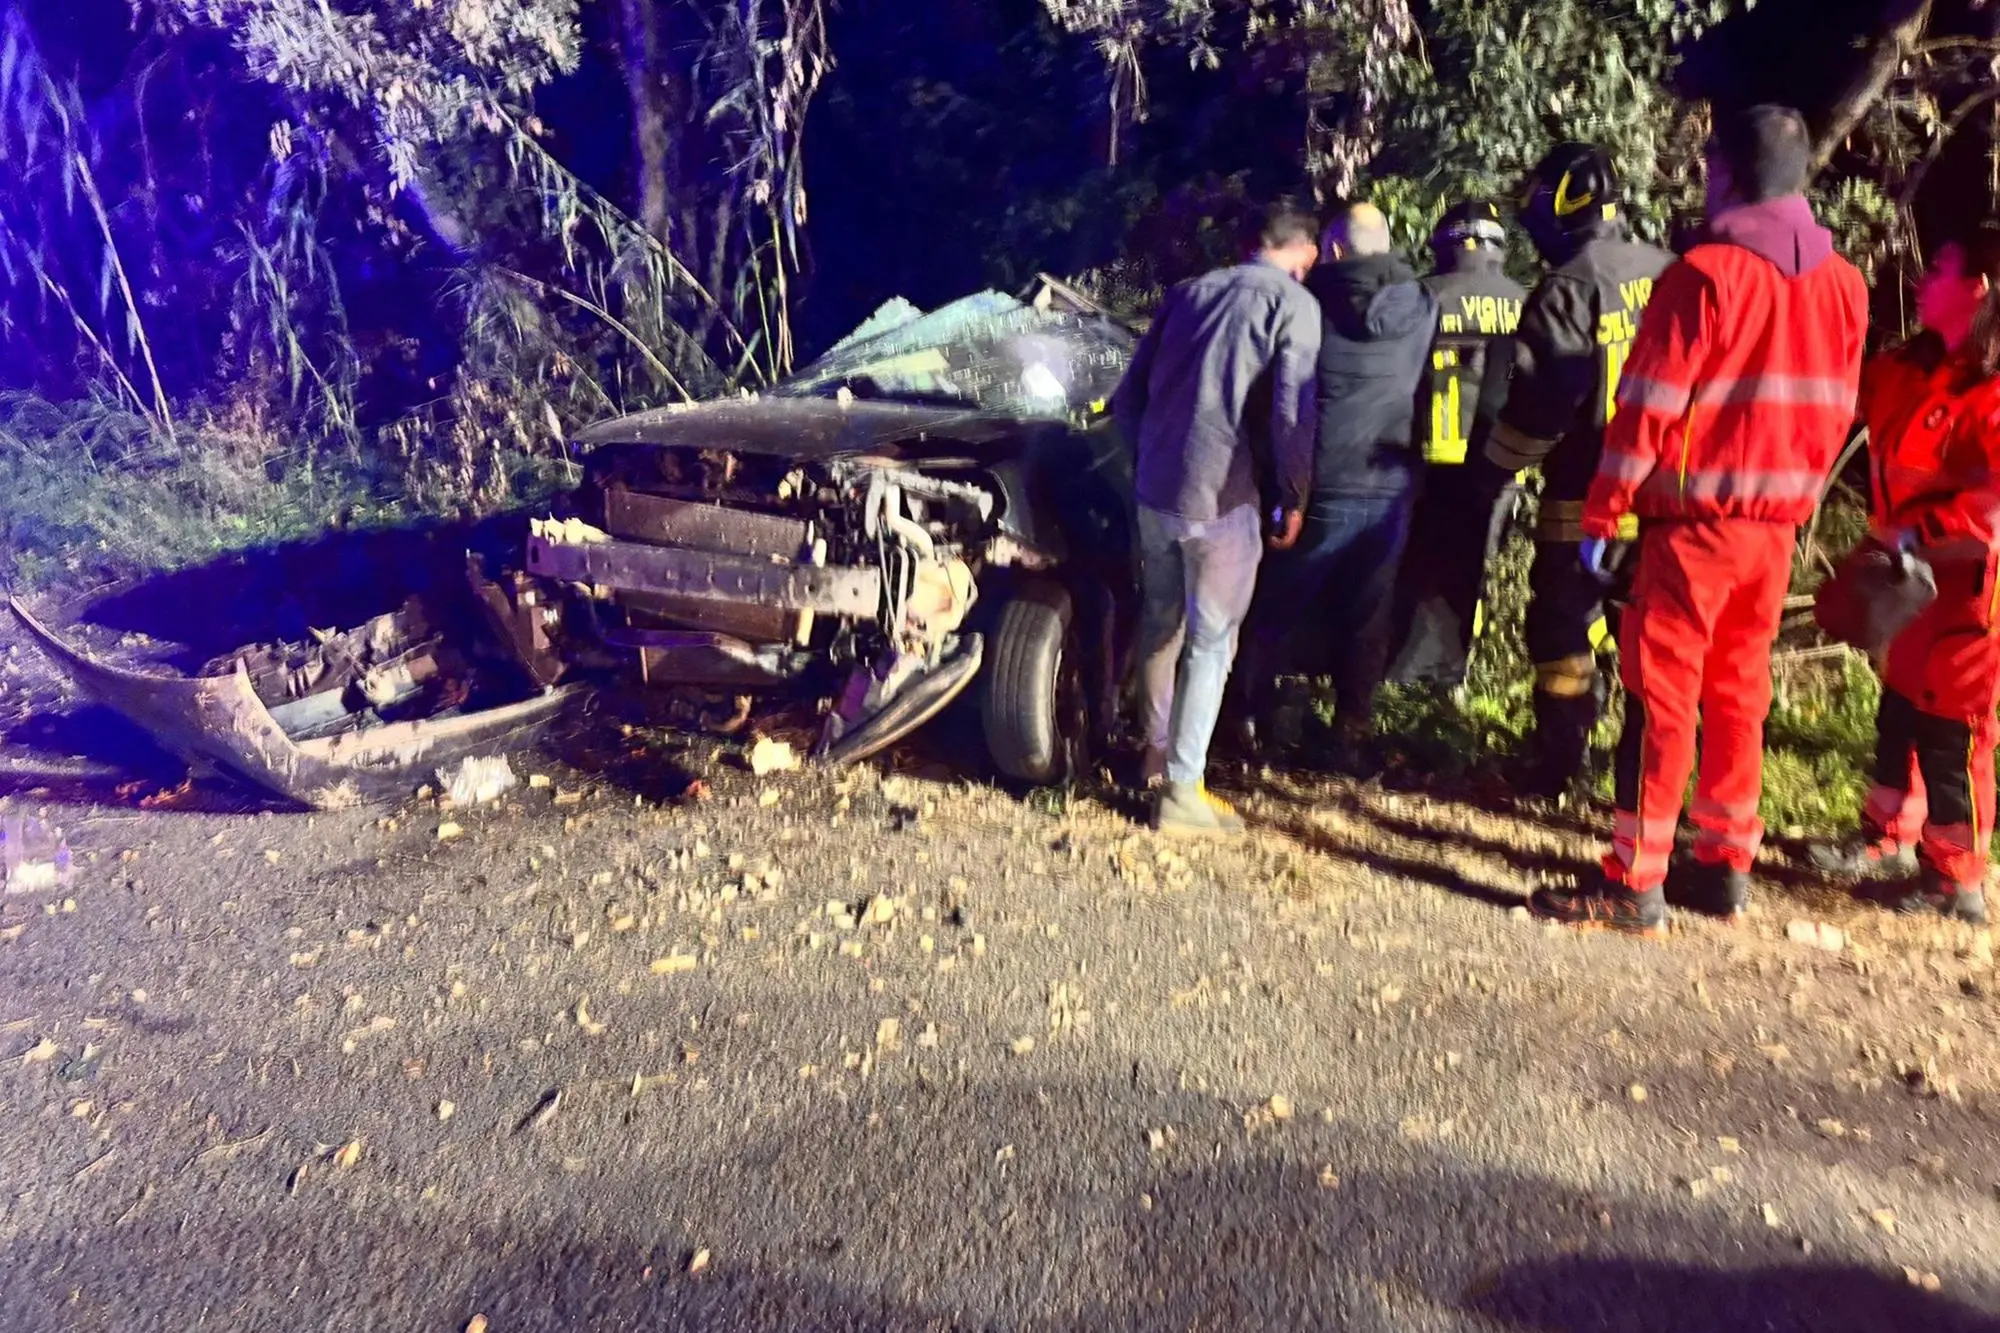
1601,904
1865,855
1930,892
1560,745
1711,888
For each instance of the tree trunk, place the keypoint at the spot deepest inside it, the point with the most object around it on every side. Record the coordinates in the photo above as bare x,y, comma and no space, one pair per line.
652,142
1903,22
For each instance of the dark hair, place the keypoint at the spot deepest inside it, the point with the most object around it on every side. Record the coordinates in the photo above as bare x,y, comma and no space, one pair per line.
1280,224
1979,251
1765,149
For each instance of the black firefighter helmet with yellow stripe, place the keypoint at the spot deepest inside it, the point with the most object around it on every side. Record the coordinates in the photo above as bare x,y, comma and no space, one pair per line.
1469,225
1571,190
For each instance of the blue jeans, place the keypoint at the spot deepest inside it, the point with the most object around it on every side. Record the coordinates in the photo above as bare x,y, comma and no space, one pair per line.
1328,599
1196,580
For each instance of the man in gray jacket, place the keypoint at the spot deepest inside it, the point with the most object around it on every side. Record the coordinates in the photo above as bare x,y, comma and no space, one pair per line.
1219,405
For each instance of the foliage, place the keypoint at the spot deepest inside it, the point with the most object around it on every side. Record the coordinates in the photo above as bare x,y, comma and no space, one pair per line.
1421,106
350,226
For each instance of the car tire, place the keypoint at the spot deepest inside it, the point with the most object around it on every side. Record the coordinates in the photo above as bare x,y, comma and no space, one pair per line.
1033,701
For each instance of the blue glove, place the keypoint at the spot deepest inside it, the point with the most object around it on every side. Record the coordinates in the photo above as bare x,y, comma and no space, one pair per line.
1601,557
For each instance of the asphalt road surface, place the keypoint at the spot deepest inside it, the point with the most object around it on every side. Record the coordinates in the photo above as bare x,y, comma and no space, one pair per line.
901,1052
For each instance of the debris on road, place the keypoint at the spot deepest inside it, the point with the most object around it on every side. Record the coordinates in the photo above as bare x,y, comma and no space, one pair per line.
34,856
1817,935
545,1111
478,779
770,756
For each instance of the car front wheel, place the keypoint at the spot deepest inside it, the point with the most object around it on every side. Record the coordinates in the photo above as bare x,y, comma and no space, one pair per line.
1034,702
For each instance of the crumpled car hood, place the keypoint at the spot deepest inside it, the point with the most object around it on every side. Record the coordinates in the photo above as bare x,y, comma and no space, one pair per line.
969,373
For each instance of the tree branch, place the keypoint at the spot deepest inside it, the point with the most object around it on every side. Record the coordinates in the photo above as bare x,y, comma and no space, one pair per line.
1905,23
1984,97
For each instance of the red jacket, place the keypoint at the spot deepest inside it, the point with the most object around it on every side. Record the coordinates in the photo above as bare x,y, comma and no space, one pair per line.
1741,385
1934,455
1934,452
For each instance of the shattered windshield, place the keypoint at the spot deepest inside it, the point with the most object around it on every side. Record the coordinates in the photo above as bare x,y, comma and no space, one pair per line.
992,352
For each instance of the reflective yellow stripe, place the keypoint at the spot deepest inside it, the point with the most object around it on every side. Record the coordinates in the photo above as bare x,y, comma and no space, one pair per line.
1445,444
1600,634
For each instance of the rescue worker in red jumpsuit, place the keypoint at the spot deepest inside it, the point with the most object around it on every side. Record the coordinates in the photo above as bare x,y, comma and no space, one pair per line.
1732,408
1933,413
1568,348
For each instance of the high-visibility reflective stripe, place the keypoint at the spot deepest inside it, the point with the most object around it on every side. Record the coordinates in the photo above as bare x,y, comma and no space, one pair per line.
1511,450
1569,678
1446,443
1653,395
1599,634
1744,844
1790,390
1723,485
1621,466
1703,807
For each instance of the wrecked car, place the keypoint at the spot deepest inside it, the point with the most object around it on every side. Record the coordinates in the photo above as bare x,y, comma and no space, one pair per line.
935,509
936,506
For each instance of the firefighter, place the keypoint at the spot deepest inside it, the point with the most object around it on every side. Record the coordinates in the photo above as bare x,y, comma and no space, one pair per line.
1932,408
1458,521
1572,341
1736,399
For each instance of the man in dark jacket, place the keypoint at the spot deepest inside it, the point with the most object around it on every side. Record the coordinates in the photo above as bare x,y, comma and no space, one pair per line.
1570,346
1459,522
1375,334
1218,404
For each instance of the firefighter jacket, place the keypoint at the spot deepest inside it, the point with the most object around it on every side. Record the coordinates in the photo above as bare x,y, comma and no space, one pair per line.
1574,336
1934,450
1742,386
1462,391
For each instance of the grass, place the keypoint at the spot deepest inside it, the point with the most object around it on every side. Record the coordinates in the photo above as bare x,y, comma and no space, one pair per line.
91,491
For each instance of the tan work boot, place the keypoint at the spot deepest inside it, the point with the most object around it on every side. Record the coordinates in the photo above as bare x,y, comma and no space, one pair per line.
1187,809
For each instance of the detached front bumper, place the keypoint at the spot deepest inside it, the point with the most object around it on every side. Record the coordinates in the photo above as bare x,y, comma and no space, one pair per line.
219,722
